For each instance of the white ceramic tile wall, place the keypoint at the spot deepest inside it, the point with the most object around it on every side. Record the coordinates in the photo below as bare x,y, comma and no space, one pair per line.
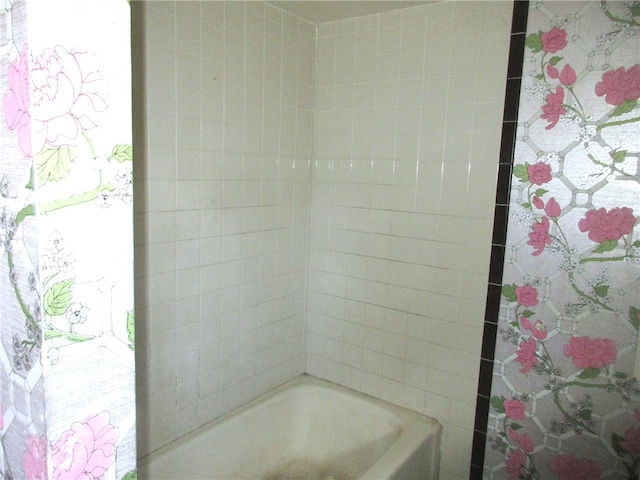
222,207
406,134
406,142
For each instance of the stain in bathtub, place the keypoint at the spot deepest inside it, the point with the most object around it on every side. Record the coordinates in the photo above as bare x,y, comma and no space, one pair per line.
302,469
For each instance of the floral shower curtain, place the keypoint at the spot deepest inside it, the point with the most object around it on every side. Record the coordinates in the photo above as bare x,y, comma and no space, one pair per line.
565,403
67,407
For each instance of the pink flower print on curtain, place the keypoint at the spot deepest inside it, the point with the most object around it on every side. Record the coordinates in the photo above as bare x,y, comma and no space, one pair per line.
591,353
526,355
554,40
515,462
539,237
620,85
526,296
577,131
631,441
524,441
553,208
554,108
538,329
567,76
552,71
16,101
572,468
538,202
55,99
514,409
604,225
85,451
35,459
539,173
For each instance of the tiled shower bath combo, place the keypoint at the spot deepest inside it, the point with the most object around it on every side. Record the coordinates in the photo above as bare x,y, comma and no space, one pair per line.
315,199
433,208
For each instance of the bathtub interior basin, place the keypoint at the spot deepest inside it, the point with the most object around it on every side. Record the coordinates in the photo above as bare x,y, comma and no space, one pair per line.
306,429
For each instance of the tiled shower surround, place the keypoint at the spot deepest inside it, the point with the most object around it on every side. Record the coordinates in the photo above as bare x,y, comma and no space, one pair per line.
223,208
314,198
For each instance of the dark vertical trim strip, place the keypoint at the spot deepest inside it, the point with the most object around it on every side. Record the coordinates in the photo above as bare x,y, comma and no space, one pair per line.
505,167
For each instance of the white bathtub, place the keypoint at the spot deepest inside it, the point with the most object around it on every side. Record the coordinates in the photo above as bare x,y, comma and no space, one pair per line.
305,429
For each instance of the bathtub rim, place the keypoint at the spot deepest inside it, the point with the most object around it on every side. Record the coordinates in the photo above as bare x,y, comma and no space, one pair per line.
391,461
